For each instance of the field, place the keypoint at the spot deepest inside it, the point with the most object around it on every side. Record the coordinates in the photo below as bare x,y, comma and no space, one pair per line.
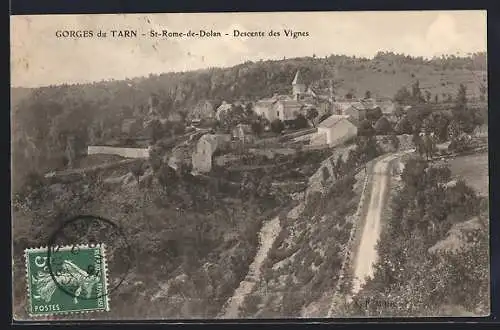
473,169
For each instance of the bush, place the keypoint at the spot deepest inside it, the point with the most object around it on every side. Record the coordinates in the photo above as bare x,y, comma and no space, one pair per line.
383,126
277,126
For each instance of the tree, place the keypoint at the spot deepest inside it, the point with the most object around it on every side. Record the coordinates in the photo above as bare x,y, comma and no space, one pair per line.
374,114
325,174
416,93
340,166
257,127
437,123
300,122
70,151
403,96
277,126
366,128
414,117
398,111
428,96
418,143
430,146
312,113
249,109
155,159
383,126
461,113
482,90
155,130
137,170
403,126
454,130
166,175
367,148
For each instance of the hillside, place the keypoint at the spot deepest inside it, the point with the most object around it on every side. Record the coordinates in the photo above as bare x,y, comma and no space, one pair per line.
192,237
43,118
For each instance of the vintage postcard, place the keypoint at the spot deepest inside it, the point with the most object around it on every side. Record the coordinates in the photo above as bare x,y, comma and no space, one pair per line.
250,165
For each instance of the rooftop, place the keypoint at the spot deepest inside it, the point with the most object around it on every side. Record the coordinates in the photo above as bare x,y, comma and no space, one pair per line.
332,121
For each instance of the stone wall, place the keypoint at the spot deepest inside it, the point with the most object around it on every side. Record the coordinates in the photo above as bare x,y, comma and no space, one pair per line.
123,152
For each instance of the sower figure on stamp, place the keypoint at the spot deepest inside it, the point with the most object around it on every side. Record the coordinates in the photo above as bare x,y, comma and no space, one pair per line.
71,275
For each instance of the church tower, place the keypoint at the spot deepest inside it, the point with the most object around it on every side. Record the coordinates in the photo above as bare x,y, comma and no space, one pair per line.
298,86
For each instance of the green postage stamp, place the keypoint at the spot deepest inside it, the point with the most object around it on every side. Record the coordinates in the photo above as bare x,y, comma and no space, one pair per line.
68,279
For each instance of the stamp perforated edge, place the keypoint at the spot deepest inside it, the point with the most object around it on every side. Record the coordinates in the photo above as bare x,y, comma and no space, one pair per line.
66,248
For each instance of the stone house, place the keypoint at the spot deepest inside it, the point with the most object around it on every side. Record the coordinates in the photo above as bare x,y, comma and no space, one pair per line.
339,107
205,148
288,109
243,132
337,129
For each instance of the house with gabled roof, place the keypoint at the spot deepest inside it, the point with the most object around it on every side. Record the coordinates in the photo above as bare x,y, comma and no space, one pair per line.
205,148
336,130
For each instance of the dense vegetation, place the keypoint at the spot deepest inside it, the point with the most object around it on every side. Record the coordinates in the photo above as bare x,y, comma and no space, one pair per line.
410,279
306,257
173,230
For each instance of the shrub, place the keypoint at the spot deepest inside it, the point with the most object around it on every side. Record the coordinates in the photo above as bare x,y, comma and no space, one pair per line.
277,126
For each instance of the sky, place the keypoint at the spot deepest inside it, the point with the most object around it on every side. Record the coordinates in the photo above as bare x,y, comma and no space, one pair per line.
39,57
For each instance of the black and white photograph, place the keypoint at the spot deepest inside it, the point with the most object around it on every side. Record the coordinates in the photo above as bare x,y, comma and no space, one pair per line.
284,165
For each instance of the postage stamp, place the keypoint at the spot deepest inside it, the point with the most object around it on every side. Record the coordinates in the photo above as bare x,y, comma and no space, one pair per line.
67,279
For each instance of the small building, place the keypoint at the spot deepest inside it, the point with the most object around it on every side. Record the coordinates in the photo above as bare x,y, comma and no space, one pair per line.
224,108
264,108
243,133
337,129
339,107
288,109
205,148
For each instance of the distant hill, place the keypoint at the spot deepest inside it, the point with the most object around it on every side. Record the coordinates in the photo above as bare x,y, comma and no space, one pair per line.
43,117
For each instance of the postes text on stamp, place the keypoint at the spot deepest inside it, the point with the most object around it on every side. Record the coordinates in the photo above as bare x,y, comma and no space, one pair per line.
67,279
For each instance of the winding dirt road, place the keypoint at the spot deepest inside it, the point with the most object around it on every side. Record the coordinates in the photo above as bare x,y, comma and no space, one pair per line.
366,254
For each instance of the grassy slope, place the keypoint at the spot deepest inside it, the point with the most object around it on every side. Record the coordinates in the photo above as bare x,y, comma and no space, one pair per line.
474,170
385,83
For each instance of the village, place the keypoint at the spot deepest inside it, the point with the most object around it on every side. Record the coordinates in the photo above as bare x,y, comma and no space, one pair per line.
243,135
